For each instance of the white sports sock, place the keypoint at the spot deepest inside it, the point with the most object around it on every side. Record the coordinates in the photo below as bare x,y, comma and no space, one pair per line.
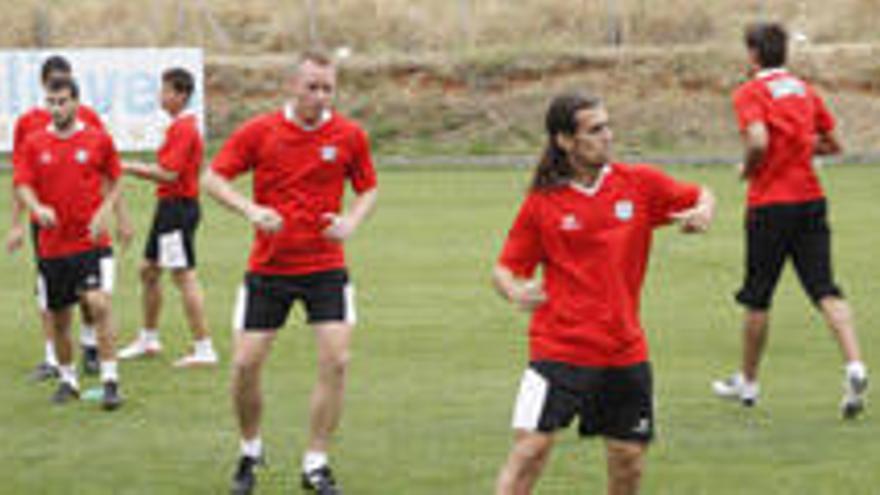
313,460
252,448
87,336
109,371
49,354
150,335
203,347
856,369
68,375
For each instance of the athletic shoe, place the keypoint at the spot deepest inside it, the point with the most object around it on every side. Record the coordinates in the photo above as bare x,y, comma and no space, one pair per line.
854,396
320,481
735,387
111,400
244,480
91,365
44,371
65,393
140,347
197,360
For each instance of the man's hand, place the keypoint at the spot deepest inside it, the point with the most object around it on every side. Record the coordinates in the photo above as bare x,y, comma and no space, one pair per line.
527,295
45,216
99,224
14,238
699,218
265,219
341,228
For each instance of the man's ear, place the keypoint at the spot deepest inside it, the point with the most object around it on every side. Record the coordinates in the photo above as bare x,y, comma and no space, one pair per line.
564,141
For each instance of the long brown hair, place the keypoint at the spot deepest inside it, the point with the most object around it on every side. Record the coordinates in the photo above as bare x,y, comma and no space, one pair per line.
554,168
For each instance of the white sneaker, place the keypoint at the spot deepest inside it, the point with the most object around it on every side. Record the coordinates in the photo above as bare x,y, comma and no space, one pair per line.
197,360
853,402
140,347
735,387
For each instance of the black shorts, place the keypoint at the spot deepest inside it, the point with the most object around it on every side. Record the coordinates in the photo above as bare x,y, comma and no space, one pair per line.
264,301
61,281
171,243
612,402
775,233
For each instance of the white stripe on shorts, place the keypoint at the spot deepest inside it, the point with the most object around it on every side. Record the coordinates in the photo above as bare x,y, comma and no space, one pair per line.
350,312
42,295
240,309
530,401
107,273
172,252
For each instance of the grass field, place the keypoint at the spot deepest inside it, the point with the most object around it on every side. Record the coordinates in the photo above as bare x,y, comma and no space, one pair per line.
437,359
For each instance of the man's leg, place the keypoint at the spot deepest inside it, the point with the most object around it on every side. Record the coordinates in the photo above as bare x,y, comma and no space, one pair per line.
524,465
194,307
251,348
68,385
812,260
98,302
88,340
325,408
48,368
146,343
626,462
755,324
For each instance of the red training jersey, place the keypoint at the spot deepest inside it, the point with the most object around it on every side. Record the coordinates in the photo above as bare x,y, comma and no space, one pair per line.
793,113
301,174
67,175
181,152
593,245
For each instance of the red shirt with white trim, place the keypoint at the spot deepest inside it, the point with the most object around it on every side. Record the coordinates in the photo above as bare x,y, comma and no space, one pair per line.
301,173
181,152
793,113
593,246
67,174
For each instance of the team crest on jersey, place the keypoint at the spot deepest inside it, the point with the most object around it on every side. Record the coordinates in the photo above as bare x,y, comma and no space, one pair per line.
82,156
623,209
570,222
328,153
45,157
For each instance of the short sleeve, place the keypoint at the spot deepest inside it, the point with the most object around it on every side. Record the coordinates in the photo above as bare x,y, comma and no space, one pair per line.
23,164
667,195
523,250
91,118
110,166
239,152
360,168
749,106
19,134
823,118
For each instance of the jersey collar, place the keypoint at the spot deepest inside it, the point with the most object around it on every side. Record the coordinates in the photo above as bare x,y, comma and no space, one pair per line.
290,116
761,74
78,126
597,184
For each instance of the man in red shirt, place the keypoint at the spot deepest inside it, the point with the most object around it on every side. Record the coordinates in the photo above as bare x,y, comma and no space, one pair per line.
171,243
35,120
588,223
784,123
301,157
67,176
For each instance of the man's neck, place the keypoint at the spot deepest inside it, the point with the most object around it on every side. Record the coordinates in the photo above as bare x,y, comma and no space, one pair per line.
587,175
65,131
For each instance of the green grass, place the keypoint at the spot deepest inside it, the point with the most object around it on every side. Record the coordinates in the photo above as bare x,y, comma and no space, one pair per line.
437,359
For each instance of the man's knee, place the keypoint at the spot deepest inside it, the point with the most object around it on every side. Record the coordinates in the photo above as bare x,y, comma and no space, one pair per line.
97,304
626,461
150,273
531,450
184,279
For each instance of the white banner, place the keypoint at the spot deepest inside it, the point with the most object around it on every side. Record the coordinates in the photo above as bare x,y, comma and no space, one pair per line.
122,85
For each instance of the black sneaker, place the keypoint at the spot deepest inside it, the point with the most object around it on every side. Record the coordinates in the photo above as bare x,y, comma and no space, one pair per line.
854,397
43,372
65,393
244,480
320,481
91,365
111,400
